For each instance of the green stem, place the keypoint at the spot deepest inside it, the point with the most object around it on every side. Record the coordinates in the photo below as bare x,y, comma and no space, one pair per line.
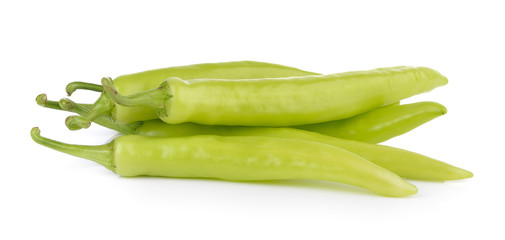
71,87
70,106
154,98
101,154
76,122
102,107
42,101
107,121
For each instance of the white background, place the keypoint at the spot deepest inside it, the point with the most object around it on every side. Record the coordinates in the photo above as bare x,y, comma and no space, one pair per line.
50,195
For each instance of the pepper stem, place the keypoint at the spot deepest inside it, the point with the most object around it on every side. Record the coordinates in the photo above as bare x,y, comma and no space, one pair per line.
42,101
154,98
103,120
101,154
66,104
102,106
70,106
71,87
77,123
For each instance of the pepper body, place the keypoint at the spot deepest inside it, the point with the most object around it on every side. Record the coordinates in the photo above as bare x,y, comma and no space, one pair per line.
381,124
374,126
240,158
138,82
288,101
251,158
402,162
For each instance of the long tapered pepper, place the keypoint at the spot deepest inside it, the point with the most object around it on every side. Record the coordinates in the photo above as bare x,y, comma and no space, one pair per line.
280,101
402,162
374,126
142,81
237,158
380,124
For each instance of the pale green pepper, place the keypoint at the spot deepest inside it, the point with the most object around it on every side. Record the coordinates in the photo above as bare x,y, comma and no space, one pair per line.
237,158
142,81
381,124
402,162
279,101
374,126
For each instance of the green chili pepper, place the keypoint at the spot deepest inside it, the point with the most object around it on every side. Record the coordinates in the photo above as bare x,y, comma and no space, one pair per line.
280,101
380,124
374,126
402,162
239,158
138,82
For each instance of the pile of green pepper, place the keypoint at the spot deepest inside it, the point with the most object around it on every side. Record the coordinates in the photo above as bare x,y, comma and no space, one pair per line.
246,121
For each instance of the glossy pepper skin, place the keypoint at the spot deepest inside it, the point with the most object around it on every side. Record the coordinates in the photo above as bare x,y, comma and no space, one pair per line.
280,101
374,126
402,162
242,158
381,124
142,81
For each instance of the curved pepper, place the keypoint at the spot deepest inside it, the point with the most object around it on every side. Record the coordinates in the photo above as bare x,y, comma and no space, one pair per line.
142,81
402,162
280,101
374,126
381,124
239,158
